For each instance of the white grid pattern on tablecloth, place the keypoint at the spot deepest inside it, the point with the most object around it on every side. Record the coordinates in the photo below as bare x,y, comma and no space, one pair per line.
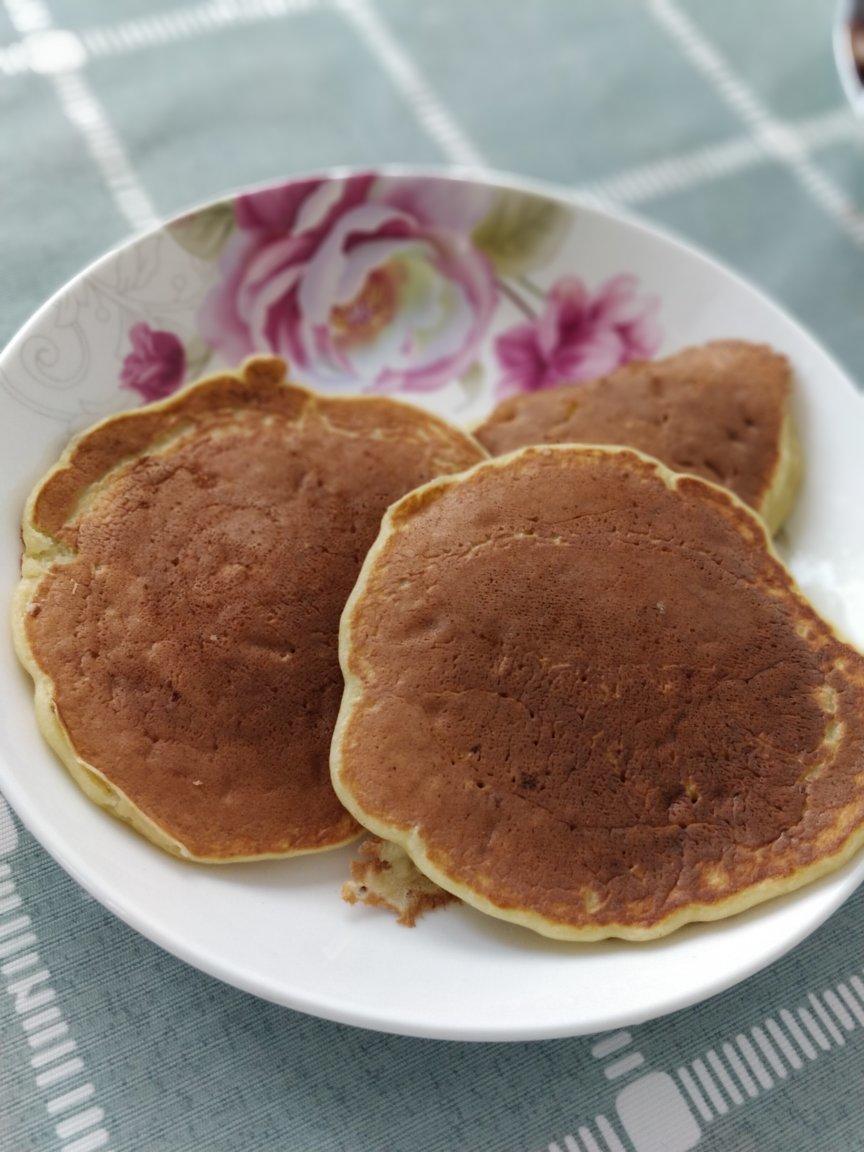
61,56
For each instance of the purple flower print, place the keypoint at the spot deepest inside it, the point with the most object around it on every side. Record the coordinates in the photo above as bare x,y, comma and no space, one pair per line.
156,365
578,336
364,280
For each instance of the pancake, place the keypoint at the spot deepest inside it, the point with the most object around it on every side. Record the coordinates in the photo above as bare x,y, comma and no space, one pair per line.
584,694
719,410
184,571
384,876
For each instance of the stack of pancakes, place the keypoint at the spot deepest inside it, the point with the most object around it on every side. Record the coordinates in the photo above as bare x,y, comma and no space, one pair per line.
581,691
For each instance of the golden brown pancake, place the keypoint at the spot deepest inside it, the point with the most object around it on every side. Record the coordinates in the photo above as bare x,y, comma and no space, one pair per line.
384,876
185,567
719,410
585,695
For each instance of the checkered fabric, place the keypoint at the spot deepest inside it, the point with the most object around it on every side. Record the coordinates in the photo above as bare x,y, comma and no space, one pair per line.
721,121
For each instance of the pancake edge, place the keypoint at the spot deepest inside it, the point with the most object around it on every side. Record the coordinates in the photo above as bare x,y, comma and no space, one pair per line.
778,500
41,552
410,839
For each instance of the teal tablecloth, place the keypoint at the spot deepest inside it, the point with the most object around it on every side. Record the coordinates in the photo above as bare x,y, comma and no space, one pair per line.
721,120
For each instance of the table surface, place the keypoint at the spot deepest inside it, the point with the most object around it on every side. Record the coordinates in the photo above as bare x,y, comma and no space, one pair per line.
723,122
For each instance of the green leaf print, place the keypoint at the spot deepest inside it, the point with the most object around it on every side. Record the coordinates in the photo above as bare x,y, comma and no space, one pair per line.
522,232
204,234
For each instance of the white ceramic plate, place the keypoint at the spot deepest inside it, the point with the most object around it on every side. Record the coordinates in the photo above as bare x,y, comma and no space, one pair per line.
403,283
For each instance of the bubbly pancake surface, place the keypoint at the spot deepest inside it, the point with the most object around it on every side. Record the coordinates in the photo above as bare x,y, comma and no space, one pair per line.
719,410
585,695
186,565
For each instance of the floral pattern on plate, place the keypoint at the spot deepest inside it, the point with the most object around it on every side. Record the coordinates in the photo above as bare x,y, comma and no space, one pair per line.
396,284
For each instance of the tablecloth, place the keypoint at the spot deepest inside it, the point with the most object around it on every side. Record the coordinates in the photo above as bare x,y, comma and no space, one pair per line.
725,123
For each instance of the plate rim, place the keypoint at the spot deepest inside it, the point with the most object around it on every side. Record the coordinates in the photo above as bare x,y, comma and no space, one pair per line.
331,1008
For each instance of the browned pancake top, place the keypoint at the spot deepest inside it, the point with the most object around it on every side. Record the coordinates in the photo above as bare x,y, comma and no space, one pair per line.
192,638
594,696
714,411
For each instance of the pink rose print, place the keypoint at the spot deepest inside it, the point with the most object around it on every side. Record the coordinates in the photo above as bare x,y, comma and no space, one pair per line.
156,365
365,280
578,336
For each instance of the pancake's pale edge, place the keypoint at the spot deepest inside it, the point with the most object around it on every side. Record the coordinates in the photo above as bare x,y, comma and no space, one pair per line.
779,497
41,552
411,840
